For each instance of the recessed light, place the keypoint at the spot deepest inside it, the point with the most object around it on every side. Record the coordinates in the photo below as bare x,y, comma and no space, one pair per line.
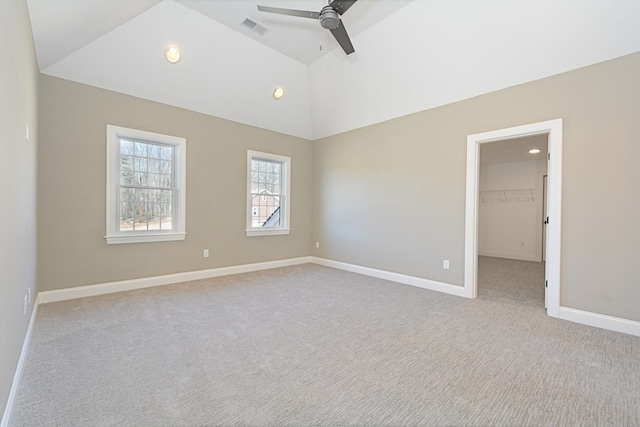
172,54
534,151
278,93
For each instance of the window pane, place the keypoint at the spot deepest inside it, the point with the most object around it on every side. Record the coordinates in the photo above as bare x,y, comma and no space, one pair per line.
266,177
153,180
140,216
166,153
154,166
153,219
265,189
126,208
166,197
154,151
140,149
165,167
126,170
145,209
165,223
126,147
165,181
140,179
140,164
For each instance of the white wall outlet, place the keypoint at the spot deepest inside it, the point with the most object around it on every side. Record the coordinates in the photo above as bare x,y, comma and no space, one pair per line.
317,245
205,253
445,264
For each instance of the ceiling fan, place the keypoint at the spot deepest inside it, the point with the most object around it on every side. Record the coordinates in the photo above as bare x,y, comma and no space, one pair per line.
329,18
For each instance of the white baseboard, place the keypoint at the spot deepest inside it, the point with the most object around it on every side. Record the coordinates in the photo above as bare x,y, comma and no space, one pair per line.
147,282
20,368
511,256
617,324
584,317
394,277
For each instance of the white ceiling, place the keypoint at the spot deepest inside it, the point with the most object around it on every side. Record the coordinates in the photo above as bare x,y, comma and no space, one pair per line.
63,26
514,150
411,55
299,38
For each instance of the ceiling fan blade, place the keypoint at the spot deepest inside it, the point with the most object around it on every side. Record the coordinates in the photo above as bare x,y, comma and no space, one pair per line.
342,37
341,6
291,12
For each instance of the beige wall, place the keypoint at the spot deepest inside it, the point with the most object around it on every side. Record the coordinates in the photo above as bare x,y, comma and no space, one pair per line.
510,225
18,105
392,196
71,214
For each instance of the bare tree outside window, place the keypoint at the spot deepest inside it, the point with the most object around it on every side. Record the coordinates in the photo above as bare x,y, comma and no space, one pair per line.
146,185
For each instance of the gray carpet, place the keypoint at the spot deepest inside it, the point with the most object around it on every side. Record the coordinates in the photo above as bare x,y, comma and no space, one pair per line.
313,346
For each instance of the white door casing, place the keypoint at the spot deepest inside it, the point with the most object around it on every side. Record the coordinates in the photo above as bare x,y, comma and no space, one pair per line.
552,128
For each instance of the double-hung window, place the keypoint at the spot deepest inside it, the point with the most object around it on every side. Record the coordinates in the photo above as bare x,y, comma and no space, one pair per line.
268,188
146,186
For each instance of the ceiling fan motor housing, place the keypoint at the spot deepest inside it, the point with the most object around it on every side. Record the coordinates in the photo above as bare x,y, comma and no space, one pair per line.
329,18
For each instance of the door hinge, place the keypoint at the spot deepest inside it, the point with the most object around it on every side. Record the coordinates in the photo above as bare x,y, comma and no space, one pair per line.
546,283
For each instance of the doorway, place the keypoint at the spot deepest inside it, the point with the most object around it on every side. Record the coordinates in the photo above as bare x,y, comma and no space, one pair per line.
510,219
552,128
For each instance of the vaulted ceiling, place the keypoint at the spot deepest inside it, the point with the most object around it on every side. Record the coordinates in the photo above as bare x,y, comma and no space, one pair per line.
410,55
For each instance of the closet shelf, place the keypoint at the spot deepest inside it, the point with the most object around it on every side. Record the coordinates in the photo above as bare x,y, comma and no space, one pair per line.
507,196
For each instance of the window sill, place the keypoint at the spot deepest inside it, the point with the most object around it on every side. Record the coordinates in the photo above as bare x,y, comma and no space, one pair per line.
117,239
267,232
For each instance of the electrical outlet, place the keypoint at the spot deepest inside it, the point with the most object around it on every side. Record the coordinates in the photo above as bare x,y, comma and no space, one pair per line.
445,264
205,253
317,245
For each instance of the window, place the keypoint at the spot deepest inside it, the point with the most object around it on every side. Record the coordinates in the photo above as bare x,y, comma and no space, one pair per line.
145,186
268,185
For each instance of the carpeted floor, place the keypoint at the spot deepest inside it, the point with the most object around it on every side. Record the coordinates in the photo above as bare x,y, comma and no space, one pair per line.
313,346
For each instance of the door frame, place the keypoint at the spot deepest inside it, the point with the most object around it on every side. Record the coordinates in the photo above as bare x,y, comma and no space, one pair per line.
552,128
544,217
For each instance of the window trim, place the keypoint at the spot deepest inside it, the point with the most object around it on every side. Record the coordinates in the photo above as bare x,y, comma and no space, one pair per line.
113,236
285,201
